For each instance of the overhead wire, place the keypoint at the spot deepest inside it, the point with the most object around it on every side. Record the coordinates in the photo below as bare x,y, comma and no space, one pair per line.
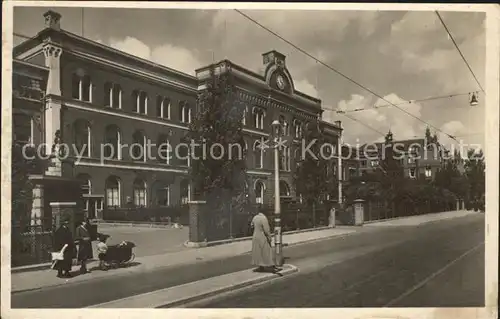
458,49
338,72
402,103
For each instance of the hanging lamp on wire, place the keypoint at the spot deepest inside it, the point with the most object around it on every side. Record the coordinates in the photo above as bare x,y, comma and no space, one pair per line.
473,101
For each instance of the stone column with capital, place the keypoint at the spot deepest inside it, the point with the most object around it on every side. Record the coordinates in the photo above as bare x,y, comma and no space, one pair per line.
52,112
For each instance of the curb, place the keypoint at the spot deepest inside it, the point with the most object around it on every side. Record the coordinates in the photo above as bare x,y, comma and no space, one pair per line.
288,269
422,223
235,240
241,285
403,217
36,267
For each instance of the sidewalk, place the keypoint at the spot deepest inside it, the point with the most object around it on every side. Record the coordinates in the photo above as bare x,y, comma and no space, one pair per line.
46,278
195,291
421,219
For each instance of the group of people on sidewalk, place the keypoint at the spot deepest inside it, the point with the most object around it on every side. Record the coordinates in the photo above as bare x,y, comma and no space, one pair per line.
262,249
64,241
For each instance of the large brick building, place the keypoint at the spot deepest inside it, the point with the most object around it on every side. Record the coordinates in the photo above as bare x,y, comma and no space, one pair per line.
96,95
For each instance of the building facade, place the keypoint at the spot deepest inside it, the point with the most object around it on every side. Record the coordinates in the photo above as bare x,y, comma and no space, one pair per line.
418,159
101,101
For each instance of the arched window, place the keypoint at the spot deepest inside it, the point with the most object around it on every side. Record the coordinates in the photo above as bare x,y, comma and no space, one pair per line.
139,193
138,147
244,115
164,149
161,193
112,147
113,189
185,191
297,126
163,107
113,95
82,138
258,117
82,87
140,99
86,184
184,112
258,152
284,189
259,192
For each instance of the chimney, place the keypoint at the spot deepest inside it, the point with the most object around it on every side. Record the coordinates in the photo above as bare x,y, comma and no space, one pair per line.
338,123
52,20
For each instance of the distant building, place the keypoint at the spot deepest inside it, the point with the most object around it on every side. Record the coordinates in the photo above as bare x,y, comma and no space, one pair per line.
418,159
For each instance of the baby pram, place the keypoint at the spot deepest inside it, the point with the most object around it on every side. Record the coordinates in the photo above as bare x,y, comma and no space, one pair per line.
119,255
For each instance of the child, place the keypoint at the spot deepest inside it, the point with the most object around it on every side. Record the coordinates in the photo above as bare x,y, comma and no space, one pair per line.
102,248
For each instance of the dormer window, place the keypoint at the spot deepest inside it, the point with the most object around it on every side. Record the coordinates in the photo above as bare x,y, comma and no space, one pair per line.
163,107
82,88
113,95
258,118
140,99
185,112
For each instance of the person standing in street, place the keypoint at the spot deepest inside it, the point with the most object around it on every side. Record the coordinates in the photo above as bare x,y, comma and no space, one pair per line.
84,246
262,254
62,237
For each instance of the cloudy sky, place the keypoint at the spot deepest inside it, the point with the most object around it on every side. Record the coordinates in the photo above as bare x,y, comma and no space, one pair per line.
401,56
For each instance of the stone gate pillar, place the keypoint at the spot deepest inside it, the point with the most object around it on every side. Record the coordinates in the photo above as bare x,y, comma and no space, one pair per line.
197,224
359,212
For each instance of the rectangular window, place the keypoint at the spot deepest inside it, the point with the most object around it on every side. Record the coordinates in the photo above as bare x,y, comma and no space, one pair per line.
428,172
23,128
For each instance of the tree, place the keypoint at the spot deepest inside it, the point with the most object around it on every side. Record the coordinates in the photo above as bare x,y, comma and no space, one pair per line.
475,173
23,165
449,177
218,174
311,176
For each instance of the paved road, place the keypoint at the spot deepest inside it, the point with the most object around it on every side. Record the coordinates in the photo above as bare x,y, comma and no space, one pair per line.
438,265
400,251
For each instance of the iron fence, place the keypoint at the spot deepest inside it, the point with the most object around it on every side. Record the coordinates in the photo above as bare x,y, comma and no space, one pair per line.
167,214
31,241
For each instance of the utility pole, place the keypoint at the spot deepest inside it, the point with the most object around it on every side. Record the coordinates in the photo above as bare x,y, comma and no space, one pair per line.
339,163
278,236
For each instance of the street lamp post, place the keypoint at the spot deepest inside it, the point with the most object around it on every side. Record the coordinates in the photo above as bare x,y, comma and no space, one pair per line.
278,236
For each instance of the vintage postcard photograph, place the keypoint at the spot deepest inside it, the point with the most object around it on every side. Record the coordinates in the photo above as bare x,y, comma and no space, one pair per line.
249,160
